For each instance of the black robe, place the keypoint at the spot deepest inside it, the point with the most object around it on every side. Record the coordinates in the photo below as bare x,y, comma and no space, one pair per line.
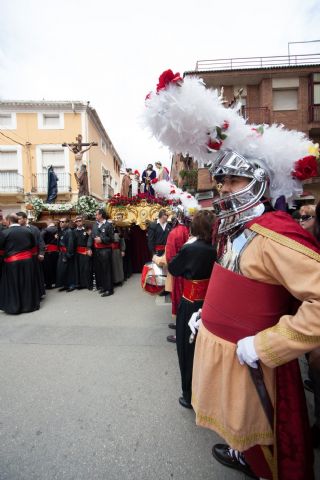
19,292
83,263
157,236
40,250
65,266
194,262
49,236
102,257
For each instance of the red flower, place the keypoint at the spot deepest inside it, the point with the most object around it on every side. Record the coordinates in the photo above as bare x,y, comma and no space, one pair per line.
168,77
136,172
154,180
214,145
305,168
225,125
189,196
173,191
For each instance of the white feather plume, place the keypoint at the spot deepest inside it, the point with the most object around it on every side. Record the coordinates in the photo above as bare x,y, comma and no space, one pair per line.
185,117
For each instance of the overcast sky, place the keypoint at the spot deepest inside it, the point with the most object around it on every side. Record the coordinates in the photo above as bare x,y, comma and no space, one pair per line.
111,53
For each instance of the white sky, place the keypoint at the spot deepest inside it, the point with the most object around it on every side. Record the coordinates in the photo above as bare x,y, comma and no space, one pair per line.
112,52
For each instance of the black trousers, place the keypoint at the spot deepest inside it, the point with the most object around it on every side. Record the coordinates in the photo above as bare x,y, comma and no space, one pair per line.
185,349
102,262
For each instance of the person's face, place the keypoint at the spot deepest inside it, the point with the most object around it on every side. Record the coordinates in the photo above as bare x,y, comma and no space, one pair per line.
307,222
149,167
22,221
63,223
79,223
98,217
232,184
163,219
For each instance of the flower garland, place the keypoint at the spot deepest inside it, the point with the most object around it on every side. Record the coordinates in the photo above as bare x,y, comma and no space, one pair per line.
122,201
85,205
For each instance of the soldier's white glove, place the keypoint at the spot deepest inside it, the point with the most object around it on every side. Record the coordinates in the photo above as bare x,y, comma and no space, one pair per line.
194,322
246,352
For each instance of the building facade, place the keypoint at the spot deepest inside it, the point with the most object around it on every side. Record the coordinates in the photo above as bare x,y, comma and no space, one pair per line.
282,90
31,138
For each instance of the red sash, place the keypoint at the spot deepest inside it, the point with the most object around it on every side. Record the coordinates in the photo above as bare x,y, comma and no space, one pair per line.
102,245
52,248
159,248
236,306
195,290
19,256
82,250
35,250
1,253
62,249
115,246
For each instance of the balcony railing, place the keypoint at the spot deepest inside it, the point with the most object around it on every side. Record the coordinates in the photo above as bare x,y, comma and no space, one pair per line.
258,62
256,115
11,182
40,182
314,113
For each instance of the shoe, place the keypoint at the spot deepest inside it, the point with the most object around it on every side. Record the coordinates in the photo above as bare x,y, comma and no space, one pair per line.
172,325
232,458
106,294
62,289
308,385
315,436
70,289
171,338
183,402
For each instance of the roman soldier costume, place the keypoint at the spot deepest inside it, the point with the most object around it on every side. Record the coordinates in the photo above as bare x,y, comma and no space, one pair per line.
262,307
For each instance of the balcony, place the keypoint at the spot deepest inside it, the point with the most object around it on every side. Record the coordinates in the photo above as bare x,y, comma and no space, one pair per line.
40,182
11,182
257,62
257,115
314,113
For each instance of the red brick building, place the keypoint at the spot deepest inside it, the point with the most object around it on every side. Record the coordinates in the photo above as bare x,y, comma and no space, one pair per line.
284,90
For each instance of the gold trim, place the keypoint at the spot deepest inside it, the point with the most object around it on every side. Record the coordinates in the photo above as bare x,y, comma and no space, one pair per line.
285,241
291,334
266,348
241,442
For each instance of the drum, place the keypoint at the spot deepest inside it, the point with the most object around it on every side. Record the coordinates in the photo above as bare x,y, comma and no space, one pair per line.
153,278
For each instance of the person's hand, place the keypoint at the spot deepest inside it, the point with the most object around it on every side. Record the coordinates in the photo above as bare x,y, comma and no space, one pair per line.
246,352
89,252
40,257
194,322
98,239
123,254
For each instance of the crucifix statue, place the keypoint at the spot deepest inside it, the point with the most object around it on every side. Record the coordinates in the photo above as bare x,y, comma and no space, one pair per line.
79,166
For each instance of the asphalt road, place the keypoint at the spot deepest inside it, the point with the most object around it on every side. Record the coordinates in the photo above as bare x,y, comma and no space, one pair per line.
89,390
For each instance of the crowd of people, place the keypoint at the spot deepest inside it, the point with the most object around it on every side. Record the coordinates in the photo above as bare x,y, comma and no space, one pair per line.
132,184
67,256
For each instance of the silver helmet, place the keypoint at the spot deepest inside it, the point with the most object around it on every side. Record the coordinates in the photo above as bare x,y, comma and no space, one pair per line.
236,208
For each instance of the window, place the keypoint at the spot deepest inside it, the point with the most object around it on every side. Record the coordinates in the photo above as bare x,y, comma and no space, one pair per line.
8,121
11,179
103,146
52,120
56,157
285,100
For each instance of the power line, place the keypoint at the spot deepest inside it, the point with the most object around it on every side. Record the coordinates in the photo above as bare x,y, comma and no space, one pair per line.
23,145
